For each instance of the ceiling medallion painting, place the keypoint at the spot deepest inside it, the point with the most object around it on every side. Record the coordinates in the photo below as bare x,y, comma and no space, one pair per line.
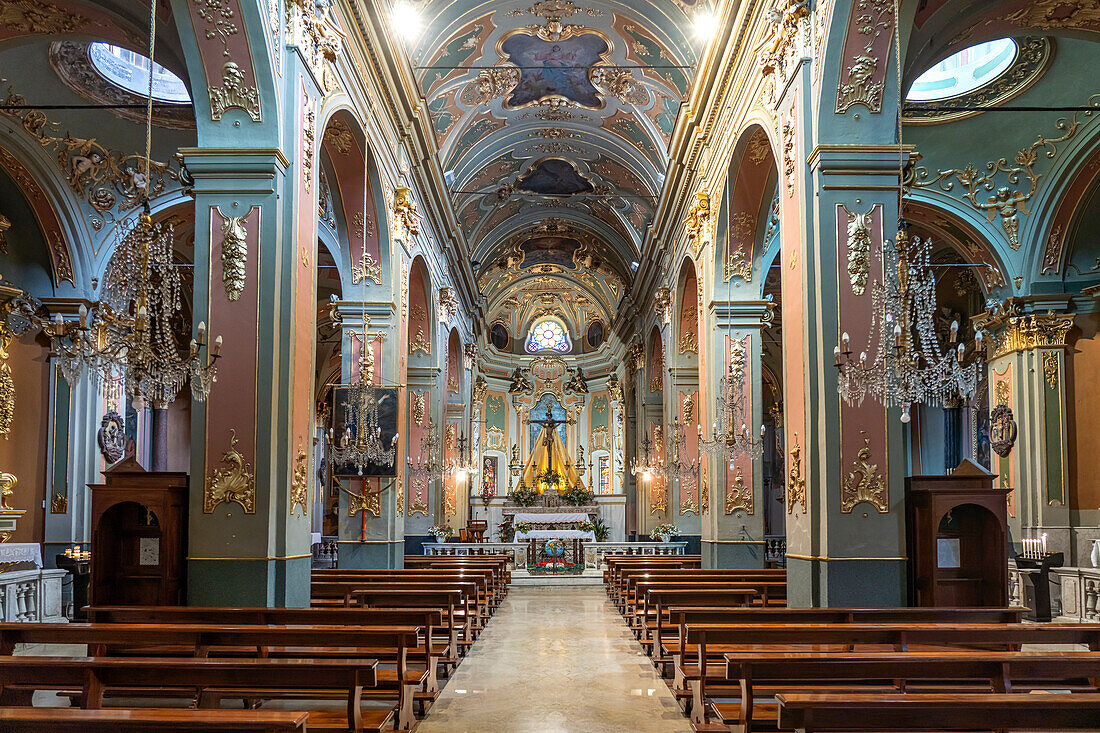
550,250
554,177
554,68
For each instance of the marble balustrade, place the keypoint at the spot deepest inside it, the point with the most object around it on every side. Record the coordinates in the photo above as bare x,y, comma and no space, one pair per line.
32,595
1080,594
594,552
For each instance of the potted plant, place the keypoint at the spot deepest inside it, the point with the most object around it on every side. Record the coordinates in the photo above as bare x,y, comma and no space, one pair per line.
577,496
664,532
600,529
440,531
525,496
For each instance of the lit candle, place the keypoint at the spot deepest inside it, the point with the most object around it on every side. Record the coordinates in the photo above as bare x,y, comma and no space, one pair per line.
217,345
961,351
897,335
83,311
1044,543
836,354
844,340
863,359
202,332
954,331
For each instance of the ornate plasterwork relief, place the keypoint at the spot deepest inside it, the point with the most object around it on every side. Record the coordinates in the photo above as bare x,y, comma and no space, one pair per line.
859,249
864,66
1050,369
742,232
367,269
796,484
784,39
338,137
870,486
448,304
318,38
234,482
738,496
788,129
662,304
234,254
299,483
234,92
697,222
1022,333
405,212
419,404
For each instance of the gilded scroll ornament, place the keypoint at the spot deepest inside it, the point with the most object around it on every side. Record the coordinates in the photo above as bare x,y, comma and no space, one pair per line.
697,222
689,343
419,403
619,82
658,497
1022,333
338,137
234,93
870,486
870,19
688,410
299,483
367,269
742,232
662,304
739,496
234,255
704,498
59,504
1050,369
7,383
1052,14
635,357
448,304
614,388
688,503
417,504
233,483
1007,202
364,500
7,488
859,250
399,497
309,139
796,485
489,84
404,209
419,343
493,439
788,129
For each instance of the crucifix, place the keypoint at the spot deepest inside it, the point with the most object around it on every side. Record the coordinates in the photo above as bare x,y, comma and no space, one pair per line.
551,424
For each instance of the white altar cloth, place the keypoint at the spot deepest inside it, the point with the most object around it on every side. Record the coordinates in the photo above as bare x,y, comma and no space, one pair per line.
565,534
550,517
21,552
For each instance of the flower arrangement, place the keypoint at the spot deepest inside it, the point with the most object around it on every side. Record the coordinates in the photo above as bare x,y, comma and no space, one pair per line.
586,526
521,527
525,496
577,496
440,531
664,532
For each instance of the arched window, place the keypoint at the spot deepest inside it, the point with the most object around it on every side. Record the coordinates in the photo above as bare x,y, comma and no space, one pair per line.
548,334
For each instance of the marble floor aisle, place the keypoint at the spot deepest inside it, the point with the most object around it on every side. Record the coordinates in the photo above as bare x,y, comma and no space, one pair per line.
555,660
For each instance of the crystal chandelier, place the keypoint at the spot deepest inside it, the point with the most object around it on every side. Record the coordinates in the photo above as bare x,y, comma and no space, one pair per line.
678,466
646,468
909,363
361,443
126,339
462,465
426,466
730,433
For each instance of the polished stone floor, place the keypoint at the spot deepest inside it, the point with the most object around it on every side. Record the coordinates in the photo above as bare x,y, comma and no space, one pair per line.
555,660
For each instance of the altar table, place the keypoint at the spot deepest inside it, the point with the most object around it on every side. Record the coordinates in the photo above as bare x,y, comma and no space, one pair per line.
564,534
547,517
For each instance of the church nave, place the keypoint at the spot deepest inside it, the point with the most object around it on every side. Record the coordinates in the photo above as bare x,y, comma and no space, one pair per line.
555,659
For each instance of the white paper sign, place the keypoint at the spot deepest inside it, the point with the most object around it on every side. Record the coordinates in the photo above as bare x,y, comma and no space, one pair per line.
149,551
947,552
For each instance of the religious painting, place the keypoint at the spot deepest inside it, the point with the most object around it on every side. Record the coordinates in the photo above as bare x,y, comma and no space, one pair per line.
554,68
594,337
550,250
554,177
344,418
498,334
489,475
605,475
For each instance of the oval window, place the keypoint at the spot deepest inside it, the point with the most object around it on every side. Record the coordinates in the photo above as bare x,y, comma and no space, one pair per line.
130,70
965,71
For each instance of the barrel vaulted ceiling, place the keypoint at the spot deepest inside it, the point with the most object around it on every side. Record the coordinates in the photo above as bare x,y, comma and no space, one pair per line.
554,117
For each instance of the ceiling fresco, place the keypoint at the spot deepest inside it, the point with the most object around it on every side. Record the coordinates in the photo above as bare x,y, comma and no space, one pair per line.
555,109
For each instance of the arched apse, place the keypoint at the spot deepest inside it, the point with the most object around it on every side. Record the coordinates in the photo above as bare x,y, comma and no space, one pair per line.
746,221
654,499
454,370
686,379
422,416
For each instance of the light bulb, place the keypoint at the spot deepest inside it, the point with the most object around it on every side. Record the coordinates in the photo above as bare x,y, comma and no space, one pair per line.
905,414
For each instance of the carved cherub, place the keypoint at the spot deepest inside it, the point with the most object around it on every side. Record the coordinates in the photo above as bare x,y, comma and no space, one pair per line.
519,383
577,383
1009,204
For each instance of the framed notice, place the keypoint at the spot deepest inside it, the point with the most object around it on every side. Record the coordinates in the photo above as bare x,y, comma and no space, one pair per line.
947,552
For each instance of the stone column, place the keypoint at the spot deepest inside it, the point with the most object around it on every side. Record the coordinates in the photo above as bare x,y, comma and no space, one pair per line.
733,531
1027,374
159,438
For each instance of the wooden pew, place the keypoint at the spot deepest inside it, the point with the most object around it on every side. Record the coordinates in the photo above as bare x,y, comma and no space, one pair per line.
615,562
295,643
207,681
427,651
637,611
666,637
628,574
495,589
451,602
469,609
707,643
149,720
933,712
499,563
772,593
763,674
